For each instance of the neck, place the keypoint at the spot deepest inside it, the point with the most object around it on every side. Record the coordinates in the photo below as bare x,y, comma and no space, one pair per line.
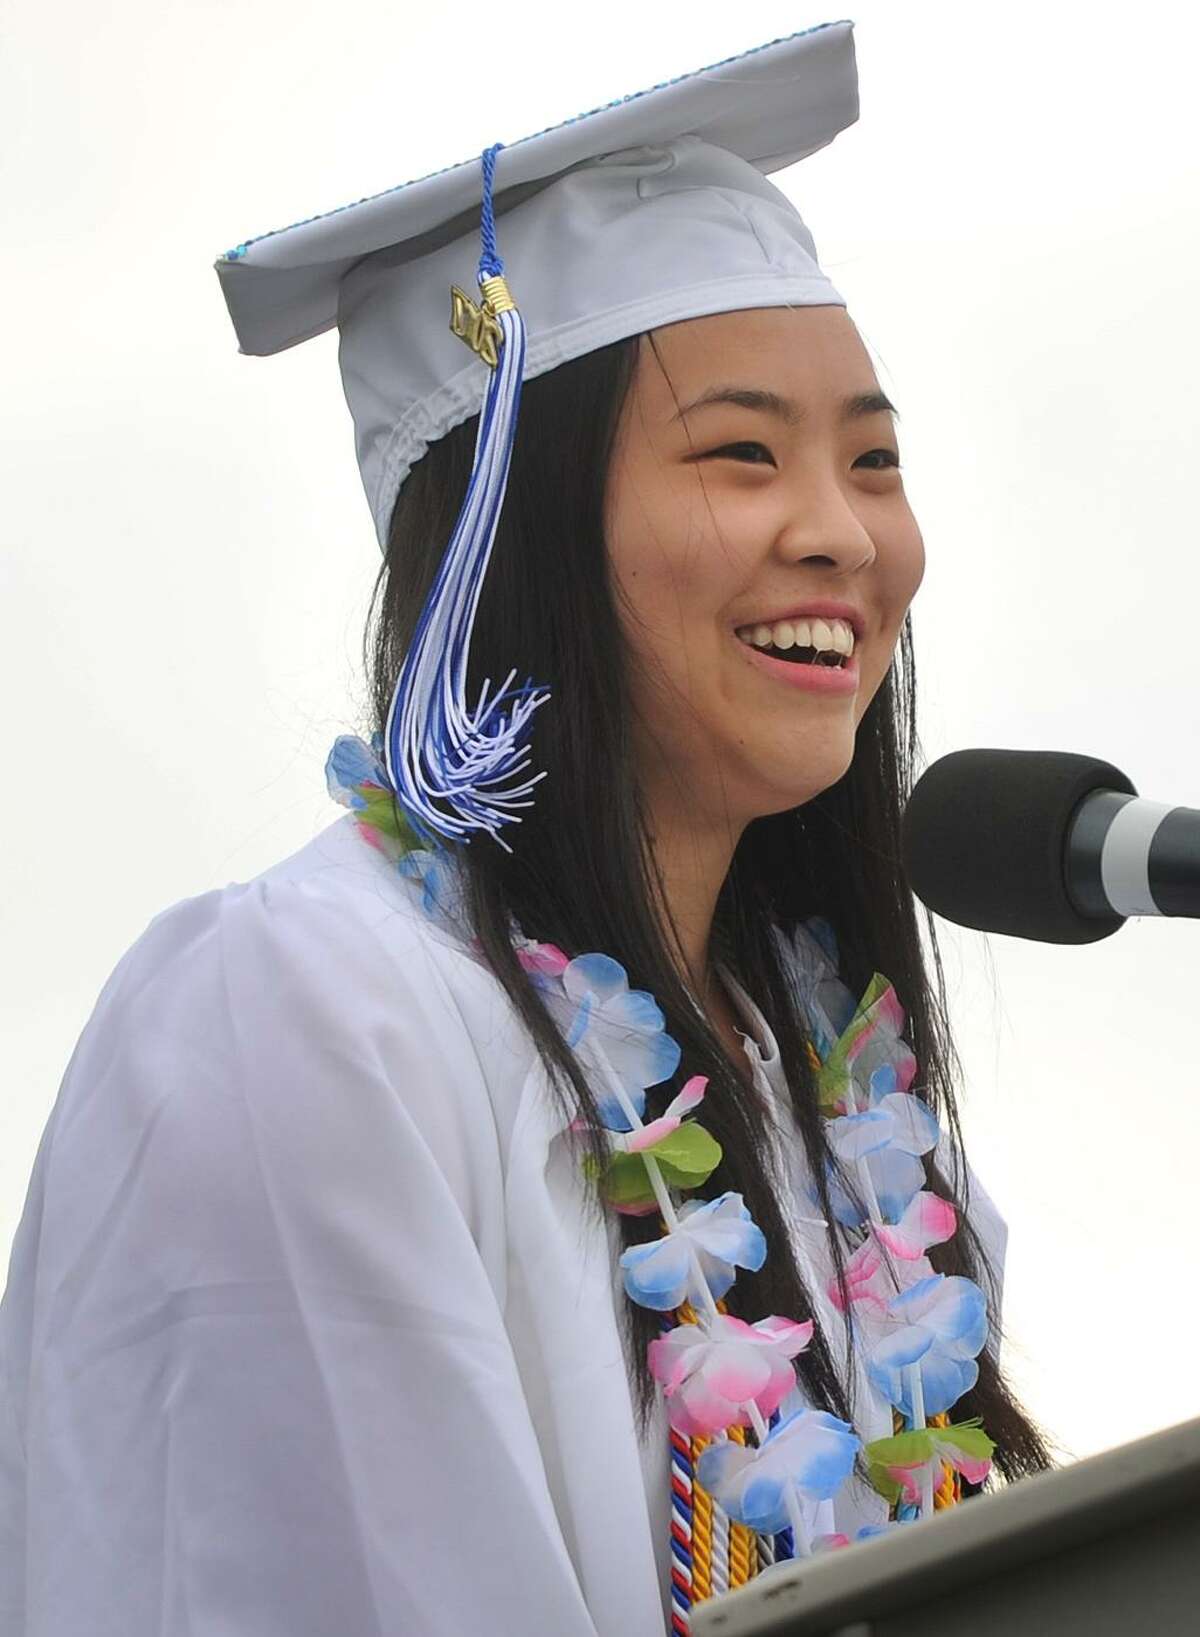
692,858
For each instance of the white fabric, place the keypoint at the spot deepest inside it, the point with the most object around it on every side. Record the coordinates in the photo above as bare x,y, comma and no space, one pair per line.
307,1329
652,209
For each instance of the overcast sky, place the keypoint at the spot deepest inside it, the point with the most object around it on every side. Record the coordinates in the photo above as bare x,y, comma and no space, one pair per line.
188,554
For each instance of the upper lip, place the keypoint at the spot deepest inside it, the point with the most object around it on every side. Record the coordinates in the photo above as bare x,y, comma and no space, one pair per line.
822,608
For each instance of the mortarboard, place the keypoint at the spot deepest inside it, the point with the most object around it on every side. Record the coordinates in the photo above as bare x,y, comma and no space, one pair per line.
652,209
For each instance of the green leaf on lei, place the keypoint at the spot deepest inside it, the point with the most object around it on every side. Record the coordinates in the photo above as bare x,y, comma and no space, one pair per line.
626,1182
883,1483
911,1448
835,1070
382,814
905,1449
968,1436
687,1157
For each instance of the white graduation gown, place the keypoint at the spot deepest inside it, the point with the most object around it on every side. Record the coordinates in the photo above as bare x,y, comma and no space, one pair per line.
308,1331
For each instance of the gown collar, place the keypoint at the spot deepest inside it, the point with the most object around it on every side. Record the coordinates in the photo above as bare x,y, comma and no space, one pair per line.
759,1043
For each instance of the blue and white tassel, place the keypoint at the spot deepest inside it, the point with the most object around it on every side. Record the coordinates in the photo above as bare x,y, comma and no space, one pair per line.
452,766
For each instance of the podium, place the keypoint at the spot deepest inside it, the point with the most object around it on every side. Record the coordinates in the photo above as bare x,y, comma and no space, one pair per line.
1108,1546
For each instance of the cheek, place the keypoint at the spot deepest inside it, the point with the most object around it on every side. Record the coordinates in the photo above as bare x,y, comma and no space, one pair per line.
670,573
916,566
901,569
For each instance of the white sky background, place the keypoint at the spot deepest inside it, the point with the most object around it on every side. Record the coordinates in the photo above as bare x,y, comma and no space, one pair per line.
188,555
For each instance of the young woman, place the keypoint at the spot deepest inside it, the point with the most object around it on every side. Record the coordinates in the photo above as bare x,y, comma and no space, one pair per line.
436,1234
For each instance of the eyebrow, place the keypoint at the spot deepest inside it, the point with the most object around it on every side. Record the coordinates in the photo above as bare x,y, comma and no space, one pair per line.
853,408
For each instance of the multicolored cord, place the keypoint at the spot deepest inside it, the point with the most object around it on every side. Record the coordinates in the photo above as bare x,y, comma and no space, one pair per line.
710,1553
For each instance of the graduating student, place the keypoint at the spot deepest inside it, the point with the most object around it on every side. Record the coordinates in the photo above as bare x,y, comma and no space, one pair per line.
524,1209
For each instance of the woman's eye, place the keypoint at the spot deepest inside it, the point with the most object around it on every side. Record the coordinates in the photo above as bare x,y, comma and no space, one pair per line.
744,451
757,454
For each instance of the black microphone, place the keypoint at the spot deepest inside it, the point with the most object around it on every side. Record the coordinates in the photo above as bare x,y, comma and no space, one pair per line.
1045,844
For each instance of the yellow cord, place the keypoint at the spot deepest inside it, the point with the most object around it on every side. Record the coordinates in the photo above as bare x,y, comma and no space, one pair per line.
743,1555
949,1490
702,1531
743,1542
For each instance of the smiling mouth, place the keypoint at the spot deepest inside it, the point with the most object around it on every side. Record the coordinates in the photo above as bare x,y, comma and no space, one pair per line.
807,656
826,658
803,640
805,669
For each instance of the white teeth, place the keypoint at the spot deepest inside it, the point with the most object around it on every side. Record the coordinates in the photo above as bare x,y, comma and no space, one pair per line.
831,636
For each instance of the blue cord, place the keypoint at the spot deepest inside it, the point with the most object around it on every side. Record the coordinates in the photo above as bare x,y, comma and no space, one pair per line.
490,264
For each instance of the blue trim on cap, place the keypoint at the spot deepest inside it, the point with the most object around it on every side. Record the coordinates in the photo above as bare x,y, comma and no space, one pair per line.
241,249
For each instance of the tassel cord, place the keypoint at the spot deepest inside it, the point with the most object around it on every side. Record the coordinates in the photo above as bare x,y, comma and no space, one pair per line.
453,754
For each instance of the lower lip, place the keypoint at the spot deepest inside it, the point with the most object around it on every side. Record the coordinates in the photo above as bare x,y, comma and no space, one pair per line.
835,679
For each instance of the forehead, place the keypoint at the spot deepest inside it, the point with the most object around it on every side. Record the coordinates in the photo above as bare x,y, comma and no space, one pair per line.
811,354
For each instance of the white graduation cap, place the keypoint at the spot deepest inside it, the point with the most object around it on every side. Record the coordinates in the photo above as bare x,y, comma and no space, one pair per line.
652,209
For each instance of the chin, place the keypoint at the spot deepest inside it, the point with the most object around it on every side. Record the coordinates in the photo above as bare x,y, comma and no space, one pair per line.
818,775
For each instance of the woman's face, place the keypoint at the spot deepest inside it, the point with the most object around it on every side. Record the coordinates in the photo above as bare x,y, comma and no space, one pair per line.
732,513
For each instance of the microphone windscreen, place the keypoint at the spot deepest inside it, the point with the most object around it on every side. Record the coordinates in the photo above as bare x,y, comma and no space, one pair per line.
983,841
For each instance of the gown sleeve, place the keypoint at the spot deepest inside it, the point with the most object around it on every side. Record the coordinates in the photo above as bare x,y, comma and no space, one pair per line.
254,1374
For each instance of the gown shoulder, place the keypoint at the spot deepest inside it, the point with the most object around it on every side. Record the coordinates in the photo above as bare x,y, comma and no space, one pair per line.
253,1331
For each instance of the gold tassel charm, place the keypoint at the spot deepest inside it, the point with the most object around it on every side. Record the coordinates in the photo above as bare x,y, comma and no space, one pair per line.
479,325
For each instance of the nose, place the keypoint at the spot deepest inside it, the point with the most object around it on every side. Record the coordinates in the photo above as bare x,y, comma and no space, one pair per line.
825,529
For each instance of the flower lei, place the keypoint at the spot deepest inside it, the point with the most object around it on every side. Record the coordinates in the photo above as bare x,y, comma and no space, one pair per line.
919,1332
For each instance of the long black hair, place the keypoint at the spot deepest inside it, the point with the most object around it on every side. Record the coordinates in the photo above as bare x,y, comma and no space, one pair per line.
582,875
